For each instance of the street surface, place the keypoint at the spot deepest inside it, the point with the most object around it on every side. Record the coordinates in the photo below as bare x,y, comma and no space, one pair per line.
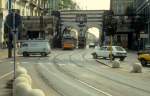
75,73
6,74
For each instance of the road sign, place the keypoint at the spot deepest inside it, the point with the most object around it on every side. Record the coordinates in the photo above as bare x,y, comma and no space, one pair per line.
143,35
13,20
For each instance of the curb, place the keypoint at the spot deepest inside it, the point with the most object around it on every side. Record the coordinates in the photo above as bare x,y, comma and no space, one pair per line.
103,63
3,54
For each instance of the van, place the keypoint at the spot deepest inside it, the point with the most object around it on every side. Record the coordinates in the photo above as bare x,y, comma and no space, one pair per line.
34,47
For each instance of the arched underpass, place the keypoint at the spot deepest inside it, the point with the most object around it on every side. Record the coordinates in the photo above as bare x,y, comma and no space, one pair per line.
81,21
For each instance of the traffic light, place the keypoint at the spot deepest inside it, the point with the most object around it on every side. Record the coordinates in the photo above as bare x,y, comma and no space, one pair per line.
109,31
109,23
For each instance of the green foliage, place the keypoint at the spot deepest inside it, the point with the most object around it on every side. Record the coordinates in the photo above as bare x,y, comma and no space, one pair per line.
67,4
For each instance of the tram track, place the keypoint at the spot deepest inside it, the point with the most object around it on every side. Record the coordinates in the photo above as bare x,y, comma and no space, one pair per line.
77,79
57,60
101,75
117,81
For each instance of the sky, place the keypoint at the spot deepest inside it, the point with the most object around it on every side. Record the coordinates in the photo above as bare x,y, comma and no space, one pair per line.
93,4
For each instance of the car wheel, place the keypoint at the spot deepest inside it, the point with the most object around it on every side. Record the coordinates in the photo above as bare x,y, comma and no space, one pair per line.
94,55
122,59
25,54
43,54
143,62
104,58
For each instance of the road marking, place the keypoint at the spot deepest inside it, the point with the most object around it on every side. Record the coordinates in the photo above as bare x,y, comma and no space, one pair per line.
24,62
125,70
5,75
105,93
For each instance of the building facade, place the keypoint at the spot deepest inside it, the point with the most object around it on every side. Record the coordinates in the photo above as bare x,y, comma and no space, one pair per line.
119,7
143,8
124,34
26,8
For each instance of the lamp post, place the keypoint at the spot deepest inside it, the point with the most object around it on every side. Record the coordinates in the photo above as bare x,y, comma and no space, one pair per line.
13,21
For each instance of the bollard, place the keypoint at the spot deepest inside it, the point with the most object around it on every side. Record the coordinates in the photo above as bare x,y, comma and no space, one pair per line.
27,77
22,89
20,70
136,68
36,92
116,64
21,80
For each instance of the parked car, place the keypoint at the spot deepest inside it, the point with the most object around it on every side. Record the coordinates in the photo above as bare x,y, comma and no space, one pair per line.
144,58
33,47
146,50
92,45
104,51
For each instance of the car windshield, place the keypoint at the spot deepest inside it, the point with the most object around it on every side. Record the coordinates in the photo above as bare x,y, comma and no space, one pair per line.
24,45
109,49
102,48
118,48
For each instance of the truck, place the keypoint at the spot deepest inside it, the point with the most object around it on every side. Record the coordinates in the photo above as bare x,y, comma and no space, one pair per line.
34,47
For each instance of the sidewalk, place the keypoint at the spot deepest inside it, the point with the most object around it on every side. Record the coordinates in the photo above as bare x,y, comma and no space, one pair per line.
3,53
5,88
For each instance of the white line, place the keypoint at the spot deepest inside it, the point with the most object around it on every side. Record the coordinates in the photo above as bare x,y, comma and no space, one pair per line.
124,70
105,93
5,75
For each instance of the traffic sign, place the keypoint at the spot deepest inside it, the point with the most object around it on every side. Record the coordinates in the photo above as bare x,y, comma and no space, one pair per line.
143,35
13,20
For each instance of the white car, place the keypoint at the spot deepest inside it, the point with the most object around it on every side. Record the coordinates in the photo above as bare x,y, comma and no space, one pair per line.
92,45
34,47
104,51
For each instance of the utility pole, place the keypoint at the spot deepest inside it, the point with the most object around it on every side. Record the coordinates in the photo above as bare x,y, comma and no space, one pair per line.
13,21
9,33
111,48
110,29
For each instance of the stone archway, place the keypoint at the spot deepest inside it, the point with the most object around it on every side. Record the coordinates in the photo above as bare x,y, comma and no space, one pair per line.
92,35
85,29
82,20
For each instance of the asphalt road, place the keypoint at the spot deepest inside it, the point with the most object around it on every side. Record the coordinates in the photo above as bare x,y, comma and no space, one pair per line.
75,73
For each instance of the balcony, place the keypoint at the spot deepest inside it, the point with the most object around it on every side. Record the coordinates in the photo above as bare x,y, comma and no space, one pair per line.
22,0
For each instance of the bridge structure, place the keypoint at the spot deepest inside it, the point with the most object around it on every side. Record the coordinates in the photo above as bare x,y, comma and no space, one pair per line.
81,20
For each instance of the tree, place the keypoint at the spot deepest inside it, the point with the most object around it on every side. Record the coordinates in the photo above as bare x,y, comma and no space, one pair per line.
68,4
